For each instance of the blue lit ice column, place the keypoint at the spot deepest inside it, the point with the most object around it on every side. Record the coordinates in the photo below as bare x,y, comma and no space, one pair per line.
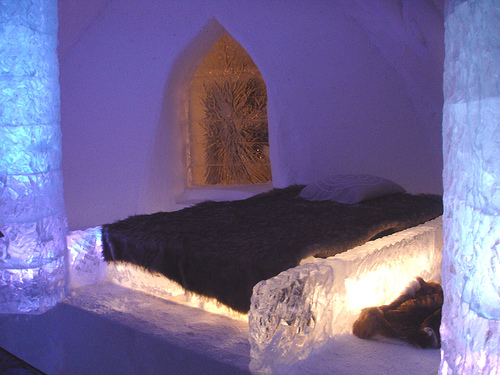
32,214
470,327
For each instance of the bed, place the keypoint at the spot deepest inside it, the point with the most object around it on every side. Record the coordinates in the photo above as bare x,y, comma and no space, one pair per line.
223,249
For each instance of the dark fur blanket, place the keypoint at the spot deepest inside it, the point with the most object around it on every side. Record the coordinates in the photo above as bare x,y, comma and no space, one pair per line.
222,249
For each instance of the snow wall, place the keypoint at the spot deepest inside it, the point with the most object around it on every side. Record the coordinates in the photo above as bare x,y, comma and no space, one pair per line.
354,86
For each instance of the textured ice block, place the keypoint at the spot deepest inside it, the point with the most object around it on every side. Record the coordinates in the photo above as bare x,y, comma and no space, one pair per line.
32,216
86,264
470,327
32,290
301,308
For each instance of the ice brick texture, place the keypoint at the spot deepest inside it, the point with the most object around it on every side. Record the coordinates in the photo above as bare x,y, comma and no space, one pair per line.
471,142
86,264
32,215
299,309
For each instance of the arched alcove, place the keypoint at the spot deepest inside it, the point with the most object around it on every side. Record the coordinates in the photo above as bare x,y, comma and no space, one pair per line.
169,185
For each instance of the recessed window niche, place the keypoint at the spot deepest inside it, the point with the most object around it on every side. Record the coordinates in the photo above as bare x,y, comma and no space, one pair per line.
228,130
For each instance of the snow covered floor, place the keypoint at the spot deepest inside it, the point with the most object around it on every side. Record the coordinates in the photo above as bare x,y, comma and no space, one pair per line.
225,340
348,355
108,329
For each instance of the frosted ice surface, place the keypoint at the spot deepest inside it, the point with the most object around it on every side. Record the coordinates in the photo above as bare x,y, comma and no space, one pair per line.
470,328
136,278
29,149
32,195
228,96
301,308
32,290
32,215
34,101
86,264
473,195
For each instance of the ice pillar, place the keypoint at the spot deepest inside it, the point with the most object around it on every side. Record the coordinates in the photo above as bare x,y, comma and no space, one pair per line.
471,141
32,215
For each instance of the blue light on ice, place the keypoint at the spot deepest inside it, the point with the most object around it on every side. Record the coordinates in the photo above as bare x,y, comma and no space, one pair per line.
32,215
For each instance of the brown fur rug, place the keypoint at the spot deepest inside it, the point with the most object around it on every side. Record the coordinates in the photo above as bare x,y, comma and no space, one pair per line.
222,249
415,317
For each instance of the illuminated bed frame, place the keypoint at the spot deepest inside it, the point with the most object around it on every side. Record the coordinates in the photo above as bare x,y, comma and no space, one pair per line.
299,309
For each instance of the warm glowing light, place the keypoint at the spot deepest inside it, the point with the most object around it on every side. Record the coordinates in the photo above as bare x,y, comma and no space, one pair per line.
383,284
135,277
303,307
228,132
370,289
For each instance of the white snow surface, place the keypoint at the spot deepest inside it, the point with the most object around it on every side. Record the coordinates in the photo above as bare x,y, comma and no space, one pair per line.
348,355
226,340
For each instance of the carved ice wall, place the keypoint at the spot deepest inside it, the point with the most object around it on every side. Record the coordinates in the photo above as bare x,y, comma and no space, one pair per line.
32,214
471,141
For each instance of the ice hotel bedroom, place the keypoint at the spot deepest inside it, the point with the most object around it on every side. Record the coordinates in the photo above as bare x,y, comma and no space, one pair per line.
224,187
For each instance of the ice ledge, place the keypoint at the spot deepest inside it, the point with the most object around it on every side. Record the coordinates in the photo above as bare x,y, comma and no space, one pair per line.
107,329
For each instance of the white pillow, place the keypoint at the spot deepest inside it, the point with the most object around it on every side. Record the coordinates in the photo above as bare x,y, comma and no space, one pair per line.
350,189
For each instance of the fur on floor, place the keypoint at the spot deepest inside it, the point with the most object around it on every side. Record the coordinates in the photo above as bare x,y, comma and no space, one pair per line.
414,317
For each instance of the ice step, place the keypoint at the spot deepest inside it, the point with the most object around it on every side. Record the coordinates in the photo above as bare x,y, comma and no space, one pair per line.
108,329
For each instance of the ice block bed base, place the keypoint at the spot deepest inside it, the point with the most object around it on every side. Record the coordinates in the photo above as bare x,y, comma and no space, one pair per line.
299,310
108,329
